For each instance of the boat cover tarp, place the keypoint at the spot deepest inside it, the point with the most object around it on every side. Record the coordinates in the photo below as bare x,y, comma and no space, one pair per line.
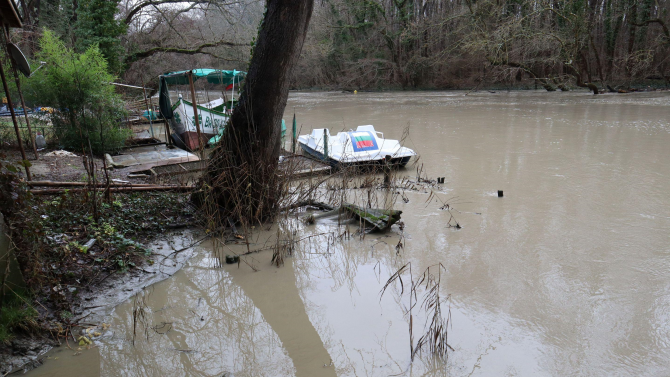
164,99
213,76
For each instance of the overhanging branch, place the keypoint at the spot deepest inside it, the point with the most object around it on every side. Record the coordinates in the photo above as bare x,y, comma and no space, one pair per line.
666,30
176,50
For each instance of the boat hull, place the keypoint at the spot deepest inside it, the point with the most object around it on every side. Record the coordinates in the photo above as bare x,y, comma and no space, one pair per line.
190,139
399,162
183,125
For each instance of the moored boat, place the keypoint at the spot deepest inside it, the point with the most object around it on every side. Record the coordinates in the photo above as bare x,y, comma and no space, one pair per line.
183,123
363,146
212,116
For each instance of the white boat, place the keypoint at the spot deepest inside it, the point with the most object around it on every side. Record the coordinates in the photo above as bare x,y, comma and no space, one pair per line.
212,117
365,145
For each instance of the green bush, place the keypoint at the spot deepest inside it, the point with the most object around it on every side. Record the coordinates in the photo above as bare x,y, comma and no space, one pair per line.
87,110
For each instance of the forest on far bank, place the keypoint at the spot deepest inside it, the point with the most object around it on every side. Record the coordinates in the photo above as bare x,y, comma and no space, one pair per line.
380,44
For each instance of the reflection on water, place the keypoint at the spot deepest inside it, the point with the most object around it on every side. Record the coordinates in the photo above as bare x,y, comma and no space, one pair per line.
201,323
568,274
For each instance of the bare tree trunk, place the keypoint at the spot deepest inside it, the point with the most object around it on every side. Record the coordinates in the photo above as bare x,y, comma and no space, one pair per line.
242,174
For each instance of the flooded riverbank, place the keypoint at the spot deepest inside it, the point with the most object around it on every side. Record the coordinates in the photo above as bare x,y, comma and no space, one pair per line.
567,274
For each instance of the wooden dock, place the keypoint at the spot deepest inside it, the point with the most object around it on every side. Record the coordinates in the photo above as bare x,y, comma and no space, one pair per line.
293,165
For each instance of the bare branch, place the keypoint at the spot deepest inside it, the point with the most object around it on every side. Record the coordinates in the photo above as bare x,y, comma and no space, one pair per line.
176,50
133,12
666,30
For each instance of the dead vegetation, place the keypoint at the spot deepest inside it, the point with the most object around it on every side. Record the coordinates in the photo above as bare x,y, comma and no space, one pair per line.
342,199
435,332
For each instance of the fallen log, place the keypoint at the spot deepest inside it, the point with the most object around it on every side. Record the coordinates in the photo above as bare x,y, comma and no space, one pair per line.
374,219
378,219
311,203
115,189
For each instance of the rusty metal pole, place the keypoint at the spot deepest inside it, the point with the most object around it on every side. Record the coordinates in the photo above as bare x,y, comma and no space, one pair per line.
16,125
149,111
151,106
25,112
195,112
18,87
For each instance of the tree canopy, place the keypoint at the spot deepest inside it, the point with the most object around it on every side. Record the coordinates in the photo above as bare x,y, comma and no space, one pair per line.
555,44
97,25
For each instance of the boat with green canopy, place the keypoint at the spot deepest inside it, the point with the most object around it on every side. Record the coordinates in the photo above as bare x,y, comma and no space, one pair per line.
192,125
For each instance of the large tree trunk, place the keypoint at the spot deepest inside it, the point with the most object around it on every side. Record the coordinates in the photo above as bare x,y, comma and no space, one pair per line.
242,178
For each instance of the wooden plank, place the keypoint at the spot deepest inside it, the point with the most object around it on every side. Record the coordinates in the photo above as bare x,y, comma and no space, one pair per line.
114,189
84,184
171,161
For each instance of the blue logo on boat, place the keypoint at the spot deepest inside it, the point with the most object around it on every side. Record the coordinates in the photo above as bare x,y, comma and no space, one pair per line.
363,141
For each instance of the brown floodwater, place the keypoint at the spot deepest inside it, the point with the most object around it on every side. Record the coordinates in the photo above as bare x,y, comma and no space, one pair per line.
567,274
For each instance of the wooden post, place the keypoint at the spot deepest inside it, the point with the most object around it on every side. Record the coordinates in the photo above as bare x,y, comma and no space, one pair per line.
223,90
325,143
195,111
16,125
387,171
293,140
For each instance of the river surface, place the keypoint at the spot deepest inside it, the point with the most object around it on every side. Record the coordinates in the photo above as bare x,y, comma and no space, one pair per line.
567,274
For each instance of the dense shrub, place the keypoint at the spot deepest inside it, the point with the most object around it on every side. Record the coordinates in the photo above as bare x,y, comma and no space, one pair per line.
87,110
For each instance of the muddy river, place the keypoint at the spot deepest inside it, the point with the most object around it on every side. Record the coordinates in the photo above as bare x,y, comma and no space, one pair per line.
567,274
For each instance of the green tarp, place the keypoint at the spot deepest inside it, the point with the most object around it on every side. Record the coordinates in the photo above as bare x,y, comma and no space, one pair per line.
164,99
213,76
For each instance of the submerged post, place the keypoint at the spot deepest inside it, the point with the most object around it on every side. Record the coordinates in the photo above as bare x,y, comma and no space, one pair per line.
195,111
293,140
387,171
325,143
